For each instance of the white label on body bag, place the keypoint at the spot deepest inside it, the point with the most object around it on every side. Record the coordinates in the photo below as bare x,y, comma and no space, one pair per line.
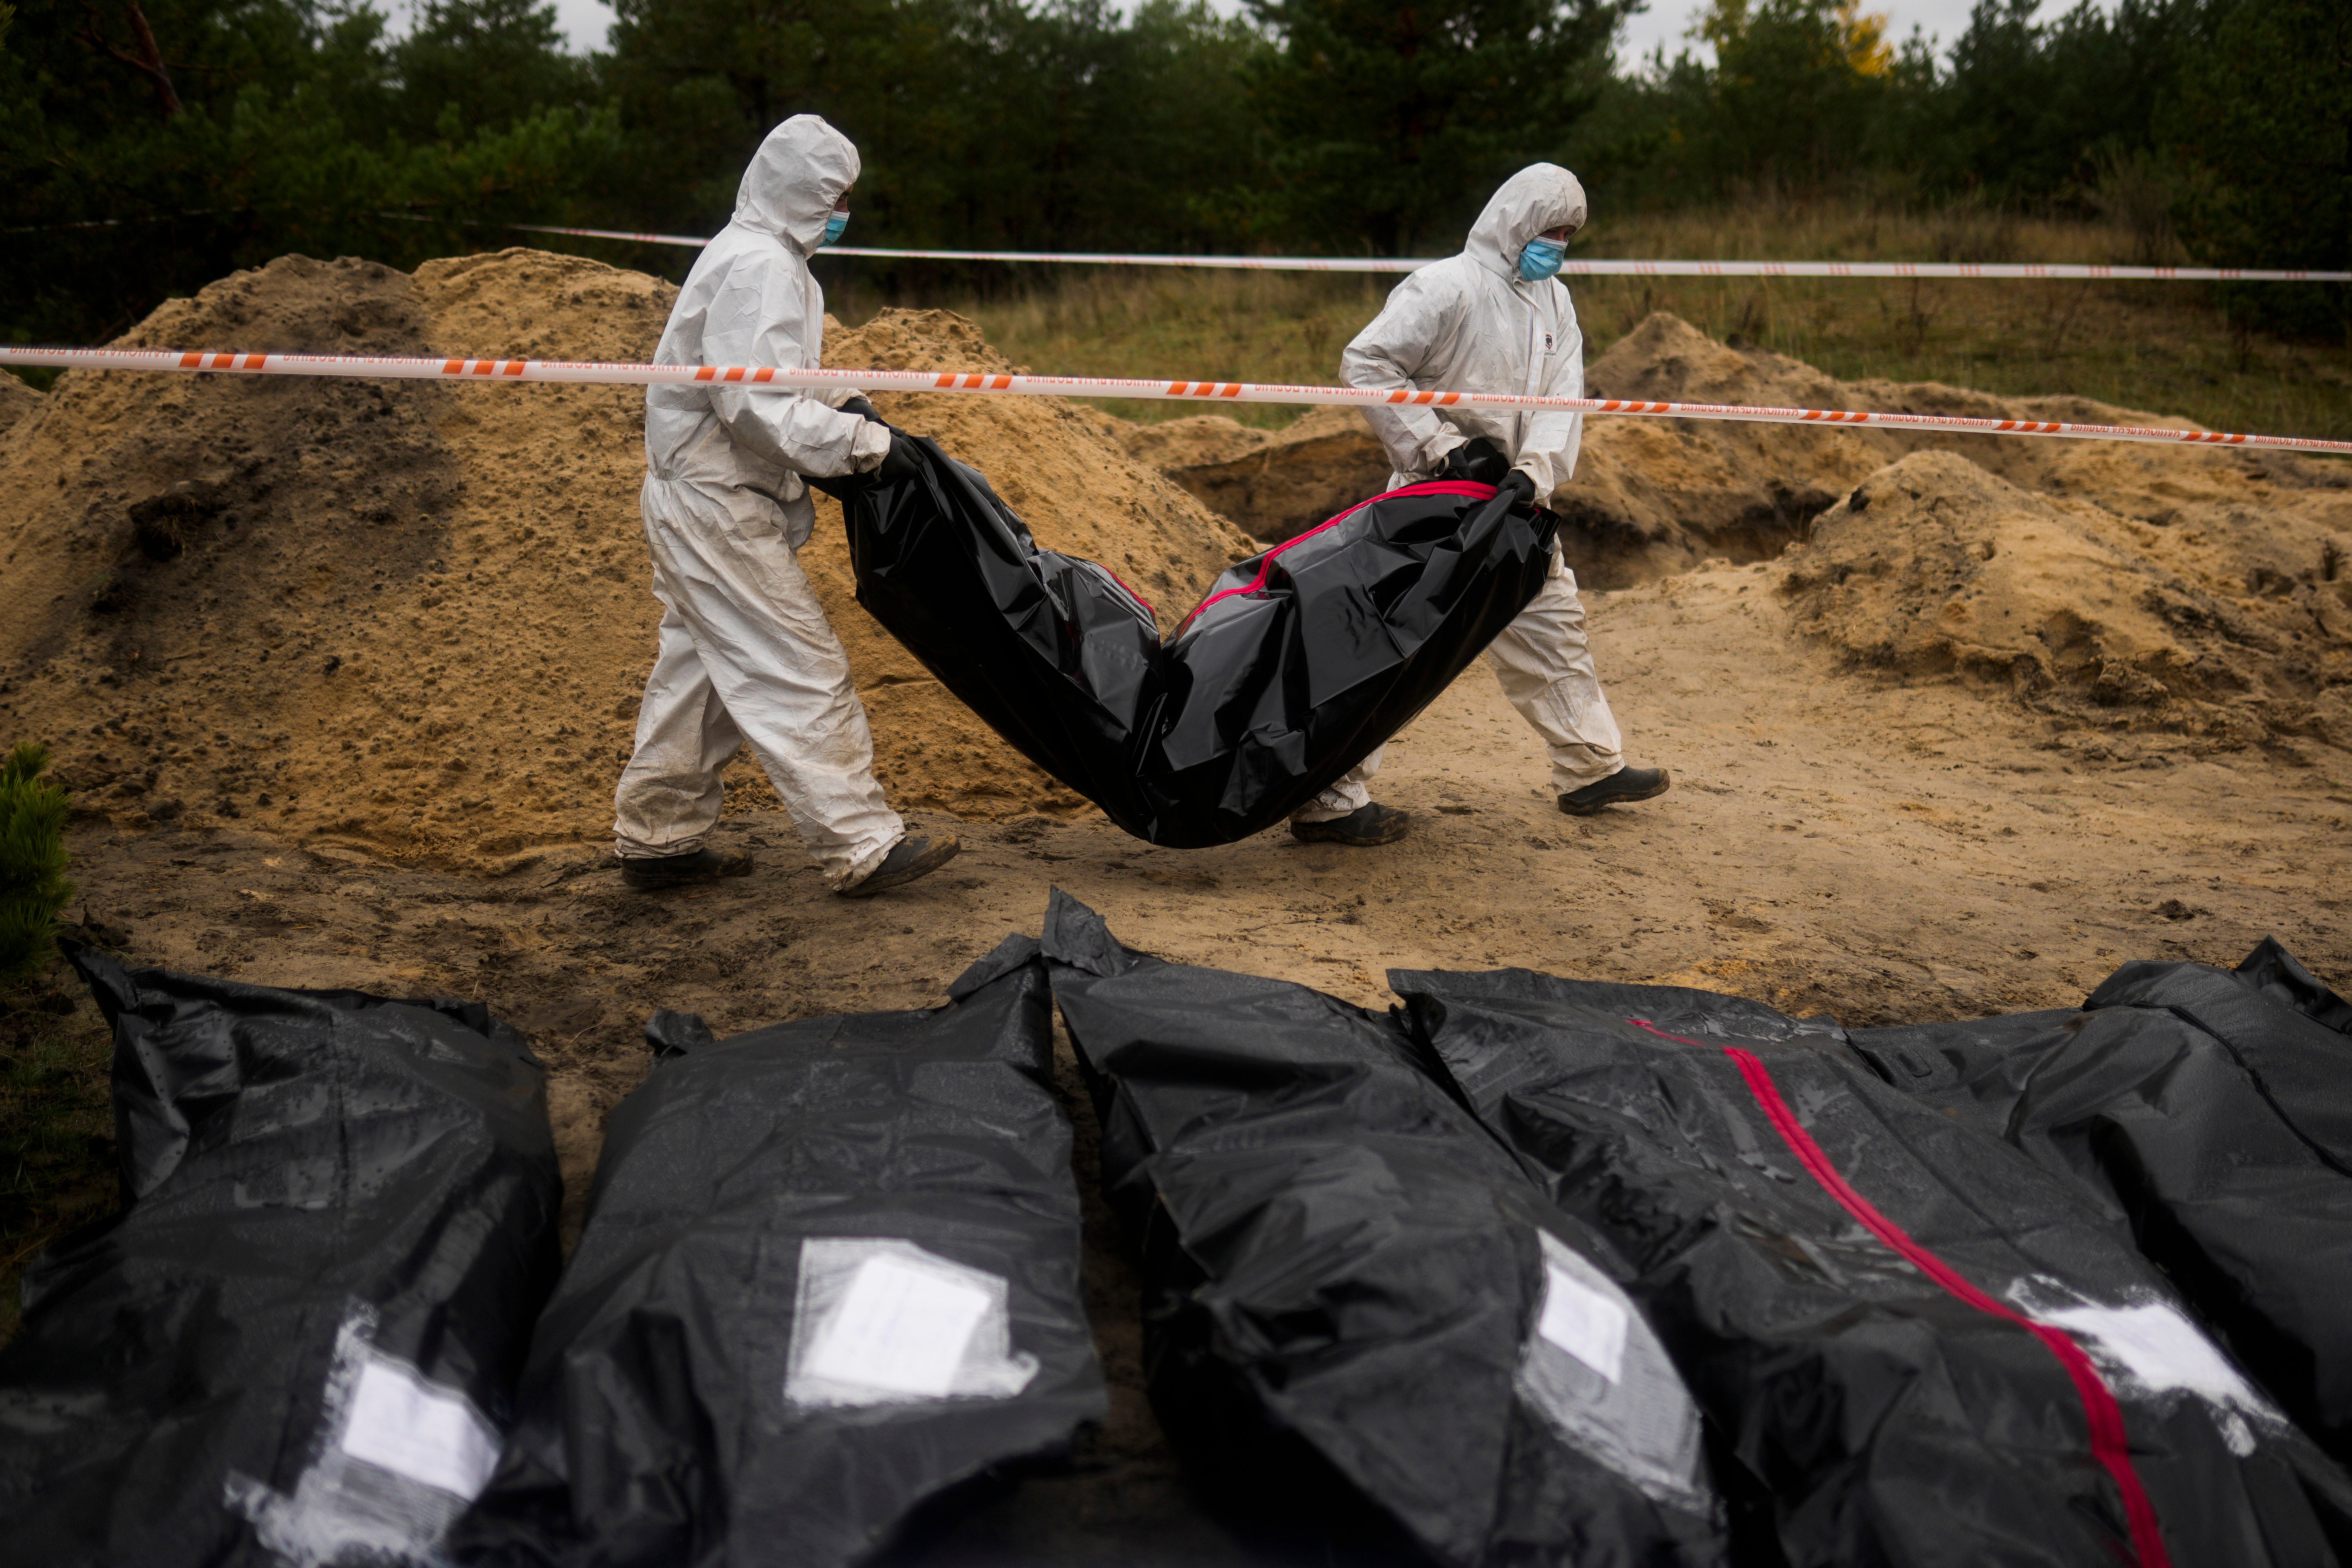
880,1320
410,1427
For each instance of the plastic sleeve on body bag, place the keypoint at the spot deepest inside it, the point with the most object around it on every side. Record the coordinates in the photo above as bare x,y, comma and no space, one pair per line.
881,1321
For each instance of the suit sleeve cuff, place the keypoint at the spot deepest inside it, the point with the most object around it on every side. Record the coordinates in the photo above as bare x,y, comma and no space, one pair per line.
1435,450
868,447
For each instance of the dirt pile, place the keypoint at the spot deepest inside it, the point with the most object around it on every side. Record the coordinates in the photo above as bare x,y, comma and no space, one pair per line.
1657,497
2196,592
17,401
1272,483
1649,498
1197,439
1061,465
414,617
1653,497
2237,631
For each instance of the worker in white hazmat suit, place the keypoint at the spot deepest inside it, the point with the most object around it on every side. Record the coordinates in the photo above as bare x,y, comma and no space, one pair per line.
746,655
1496,319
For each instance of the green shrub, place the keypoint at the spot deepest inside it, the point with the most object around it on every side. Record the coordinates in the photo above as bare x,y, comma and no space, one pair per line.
33,886
2263,112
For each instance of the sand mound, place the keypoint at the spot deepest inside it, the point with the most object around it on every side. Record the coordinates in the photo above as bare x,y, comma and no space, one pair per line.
2236,633
414,617
398,615
1272,483
2117,586
1201,438
1059,464
1649,499
17,401
1653,497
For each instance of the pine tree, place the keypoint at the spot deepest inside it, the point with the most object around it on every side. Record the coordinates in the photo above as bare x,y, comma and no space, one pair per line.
2266,113
1396,122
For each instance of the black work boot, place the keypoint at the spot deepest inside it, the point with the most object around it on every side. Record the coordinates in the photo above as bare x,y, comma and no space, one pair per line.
1624,784
1368,825
908,858
652,873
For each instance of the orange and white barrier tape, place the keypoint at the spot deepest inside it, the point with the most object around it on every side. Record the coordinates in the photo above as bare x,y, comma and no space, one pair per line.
1568,268
512,371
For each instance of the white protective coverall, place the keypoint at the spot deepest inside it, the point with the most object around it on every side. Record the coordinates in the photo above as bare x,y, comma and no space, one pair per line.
746,655
1470,323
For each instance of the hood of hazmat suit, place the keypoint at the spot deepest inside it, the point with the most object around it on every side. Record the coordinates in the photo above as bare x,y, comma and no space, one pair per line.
1471,323
741,453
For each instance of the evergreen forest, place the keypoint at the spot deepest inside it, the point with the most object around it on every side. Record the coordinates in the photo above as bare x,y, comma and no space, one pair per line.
149,146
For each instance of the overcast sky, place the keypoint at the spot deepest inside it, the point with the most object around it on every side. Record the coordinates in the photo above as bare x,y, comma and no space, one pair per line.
1666,21
585,21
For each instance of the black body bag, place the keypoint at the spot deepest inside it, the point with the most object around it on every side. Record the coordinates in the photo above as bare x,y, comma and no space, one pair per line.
2214,1110
298,1341
1930,1350
830,1270
1353,1295
1298,664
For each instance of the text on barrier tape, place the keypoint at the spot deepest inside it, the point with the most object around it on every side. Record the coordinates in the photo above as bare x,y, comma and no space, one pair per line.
512,371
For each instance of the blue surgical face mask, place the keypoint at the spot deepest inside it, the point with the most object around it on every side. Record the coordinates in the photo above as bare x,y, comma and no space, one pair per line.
840,220
1541,258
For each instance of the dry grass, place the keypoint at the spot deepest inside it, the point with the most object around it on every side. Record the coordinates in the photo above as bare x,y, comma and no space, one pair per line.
1153,321
2158,347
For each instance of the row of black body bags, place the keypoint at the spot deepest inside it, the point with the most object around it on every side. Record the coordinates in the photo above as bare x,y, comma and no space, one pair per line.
1931,1350
830,1270
2212,1109
295,1342
1353,1297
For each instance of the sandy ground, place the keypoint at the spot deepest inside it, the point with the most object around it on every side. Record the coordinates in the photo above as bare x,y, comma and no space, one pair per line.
1834,842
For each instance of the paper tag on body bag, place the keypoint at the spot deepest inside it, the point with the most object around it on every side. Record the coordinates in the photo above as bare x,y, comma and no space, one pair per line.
878,1320
399,1421
397,1458
1598,1374
1582,1321
898,1327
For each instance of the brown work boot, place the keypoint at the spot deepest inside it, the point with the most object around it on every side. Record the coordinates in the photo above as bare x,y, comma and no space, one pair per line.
1624,784
651,873
1368,825
907,859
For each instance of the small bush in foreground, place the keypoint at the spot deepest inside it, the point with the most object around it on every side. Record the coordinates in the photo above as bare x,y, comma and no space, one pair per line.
33,886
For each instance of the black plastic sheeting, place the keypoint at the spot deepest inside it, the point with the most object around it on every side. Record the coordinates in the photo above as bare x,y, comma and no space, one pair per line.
1298,663
2214,1110
1352,1293
1929,1349
830,1270
297,1342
